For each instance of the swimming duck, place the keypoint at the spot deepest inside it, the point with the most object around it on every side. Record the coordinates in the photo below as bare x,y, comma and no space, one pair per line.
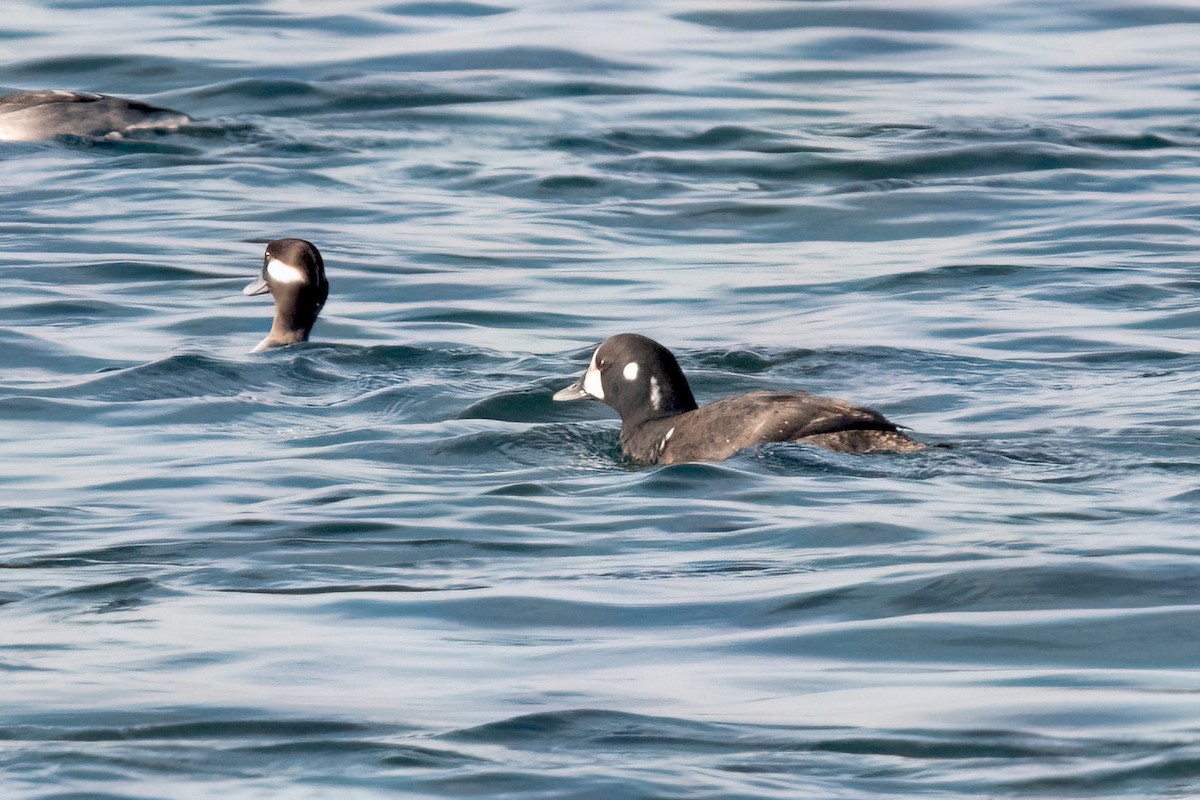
662,424
294,274
28,116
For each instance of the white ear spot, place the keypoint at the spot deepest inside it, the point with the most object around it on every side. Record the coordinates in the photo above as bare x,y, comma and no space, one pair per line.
283,272
592,383
656,396
631,371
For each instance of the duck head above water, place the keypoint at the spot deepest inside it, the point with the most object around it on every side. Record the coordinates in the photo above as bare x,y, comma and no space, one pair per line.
635,375
293,273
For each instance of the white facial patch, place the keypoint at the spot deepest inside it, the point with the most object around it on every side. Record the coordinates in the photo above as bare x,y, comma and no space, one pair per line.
631,371
591,380
283,272
656,397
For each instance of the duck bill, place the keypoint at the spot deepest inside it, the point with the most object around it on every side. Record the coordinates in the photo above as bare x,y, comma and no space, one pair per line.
257,287
573,392
590,385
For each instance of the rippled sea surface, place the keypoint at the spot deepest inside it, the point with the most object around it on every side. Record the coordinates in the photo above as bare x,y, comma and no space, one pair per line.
385,563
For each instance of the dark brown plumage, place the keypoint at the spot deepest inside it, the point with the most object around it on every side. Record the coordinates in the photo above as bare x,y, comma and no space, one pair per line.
662,424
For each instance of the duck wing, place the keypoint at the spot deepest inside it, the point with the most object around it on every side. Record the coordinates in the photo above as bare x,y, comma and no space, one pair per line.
718,430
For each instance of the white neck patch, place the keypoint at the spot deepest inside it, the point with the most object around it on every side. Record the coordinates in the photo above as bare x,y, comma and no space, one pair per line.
283,272
591,380
631,371
656,397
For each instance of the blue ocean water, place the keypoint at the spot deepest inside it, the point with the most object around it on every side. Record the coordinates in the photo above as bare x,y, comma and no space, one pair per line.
385,563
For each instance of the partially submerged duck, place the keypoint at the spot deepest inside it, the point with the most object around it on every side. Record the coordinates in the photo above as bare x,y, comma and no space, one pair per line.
293,273
29,116
662,424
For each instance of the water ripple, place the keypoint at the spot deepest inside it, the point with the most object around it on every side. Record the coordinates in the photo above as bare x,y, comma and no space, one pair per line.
386,562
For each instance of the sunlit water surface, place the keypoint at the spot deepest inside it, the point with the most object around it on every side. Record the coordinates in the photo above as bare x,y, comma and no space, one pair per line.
385,563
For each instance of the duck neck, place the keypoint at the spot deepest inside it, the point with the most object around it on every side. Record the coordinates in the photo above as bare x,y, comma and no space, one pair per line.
288,327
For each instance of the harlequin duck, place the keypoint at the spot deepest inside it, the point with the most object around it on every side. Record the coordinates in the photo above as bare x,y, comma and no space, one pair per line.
294,274
661,423
27,116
